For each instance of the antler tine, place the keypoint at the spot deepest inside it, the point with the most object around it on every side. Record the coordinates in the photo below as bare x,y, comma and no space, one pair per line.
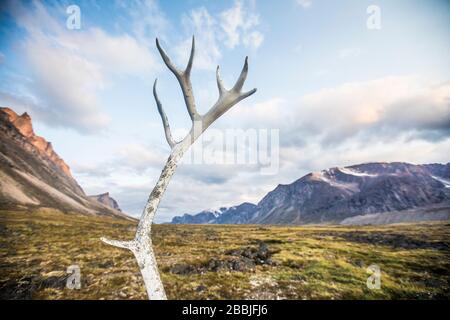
164,119
191,58
183,78
227,98
246,95
167,60
240,81
220,85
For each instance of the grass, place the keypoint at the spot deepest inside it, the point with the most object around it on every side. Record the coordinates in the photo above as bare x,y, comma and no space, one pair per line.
309,262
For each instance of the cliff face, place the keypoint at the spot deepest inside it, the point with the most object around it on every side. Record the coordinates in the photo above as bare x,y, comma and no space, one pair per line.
32,175
24,125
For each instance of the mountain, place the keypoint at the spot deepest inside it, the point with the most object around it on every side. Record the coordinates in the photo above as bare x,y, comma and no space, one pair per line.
107,200
233,215
32,175
367,193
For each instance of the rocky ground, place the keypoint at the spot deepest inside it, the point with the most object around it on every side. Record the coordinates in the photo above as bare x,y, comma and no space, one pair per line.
221,261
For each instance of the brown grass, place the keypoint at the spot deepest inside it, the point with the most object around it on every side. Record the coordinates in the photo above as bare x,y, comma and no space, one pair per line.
314,262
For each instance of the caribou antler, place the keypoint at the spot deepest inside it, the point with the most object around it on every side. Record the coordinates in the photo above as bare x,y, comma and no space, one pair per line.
184,78
141,245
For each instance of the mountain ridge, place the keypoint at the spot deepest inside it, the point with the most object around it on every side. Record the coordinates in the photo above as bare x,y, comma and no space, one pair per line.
24,125
336,194
107,200
33,175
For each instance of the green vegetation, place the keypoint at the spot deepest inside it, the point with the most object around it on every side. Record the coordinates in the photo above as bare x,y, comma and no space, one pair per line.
209,261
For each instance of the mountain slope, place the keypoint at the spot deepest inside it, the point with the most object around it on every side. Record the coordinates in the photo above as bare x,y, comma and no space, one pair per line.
107,200
337,194
233,215
33,175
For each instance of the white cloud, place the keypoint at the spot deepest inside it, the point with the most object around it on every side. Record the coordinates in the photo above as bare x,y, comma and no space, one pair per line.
375,109
238,24
377,120
148,20
140,158
349,53
265,114
70,68
66,86
232,27
201,24
254,39
113,54
304,3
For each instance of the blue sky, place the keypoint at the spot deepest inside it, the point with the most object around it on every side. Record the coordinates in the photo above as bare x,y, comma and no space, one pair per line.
338,92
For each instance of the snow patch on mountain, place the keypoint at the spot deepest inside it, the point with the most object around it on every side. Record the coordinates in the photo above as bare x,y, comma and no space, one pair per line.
356,173
445,182
328,177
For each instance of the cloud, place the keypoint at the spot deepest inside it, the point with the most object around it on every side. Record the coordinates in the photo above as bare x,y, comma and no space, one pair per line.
297,161
304,3
349,53
388,119
234,26
140,158
201,24
66,86
20,103
71,68
372,110
264,114
132,172
254,39
148,20
133,158
238,25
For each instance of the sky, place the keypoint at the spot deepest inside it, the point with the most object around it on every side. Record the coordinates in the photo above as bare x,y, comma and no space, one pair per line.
339,83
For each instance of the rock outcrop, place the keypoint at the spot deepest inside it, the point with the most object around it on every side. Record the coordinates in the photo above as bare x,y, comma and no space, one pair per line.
23,124
32,175
107,200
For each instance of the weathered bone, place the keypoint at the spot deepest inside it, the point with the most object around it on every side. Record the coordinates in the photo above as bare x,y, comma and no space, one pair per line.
141,245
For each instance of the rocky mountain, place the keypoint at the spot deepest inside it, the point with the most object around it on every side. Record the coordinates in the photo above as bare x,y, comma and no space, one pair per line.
233,215
32,175
107,200
365,193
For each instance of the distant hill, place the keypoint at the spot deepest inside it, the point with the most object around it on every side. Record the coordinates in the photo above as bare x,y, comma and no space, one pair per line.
107,200
233,215
361,194
32,175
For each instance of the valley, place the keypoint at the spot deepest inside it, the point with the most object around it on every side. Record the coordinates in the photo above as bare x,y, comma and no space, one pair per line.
222,261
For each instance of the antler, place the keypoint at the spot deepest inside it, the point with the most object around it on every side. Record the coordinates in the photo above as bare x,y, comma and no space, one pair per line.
164,119
141,245
184,78
227,98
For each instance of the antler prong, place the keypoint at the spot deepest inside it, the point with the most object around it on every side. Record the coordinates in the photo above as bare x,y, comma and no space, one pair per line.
220,85
164,119
183,78
246,94
240,81
167,60
191,58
